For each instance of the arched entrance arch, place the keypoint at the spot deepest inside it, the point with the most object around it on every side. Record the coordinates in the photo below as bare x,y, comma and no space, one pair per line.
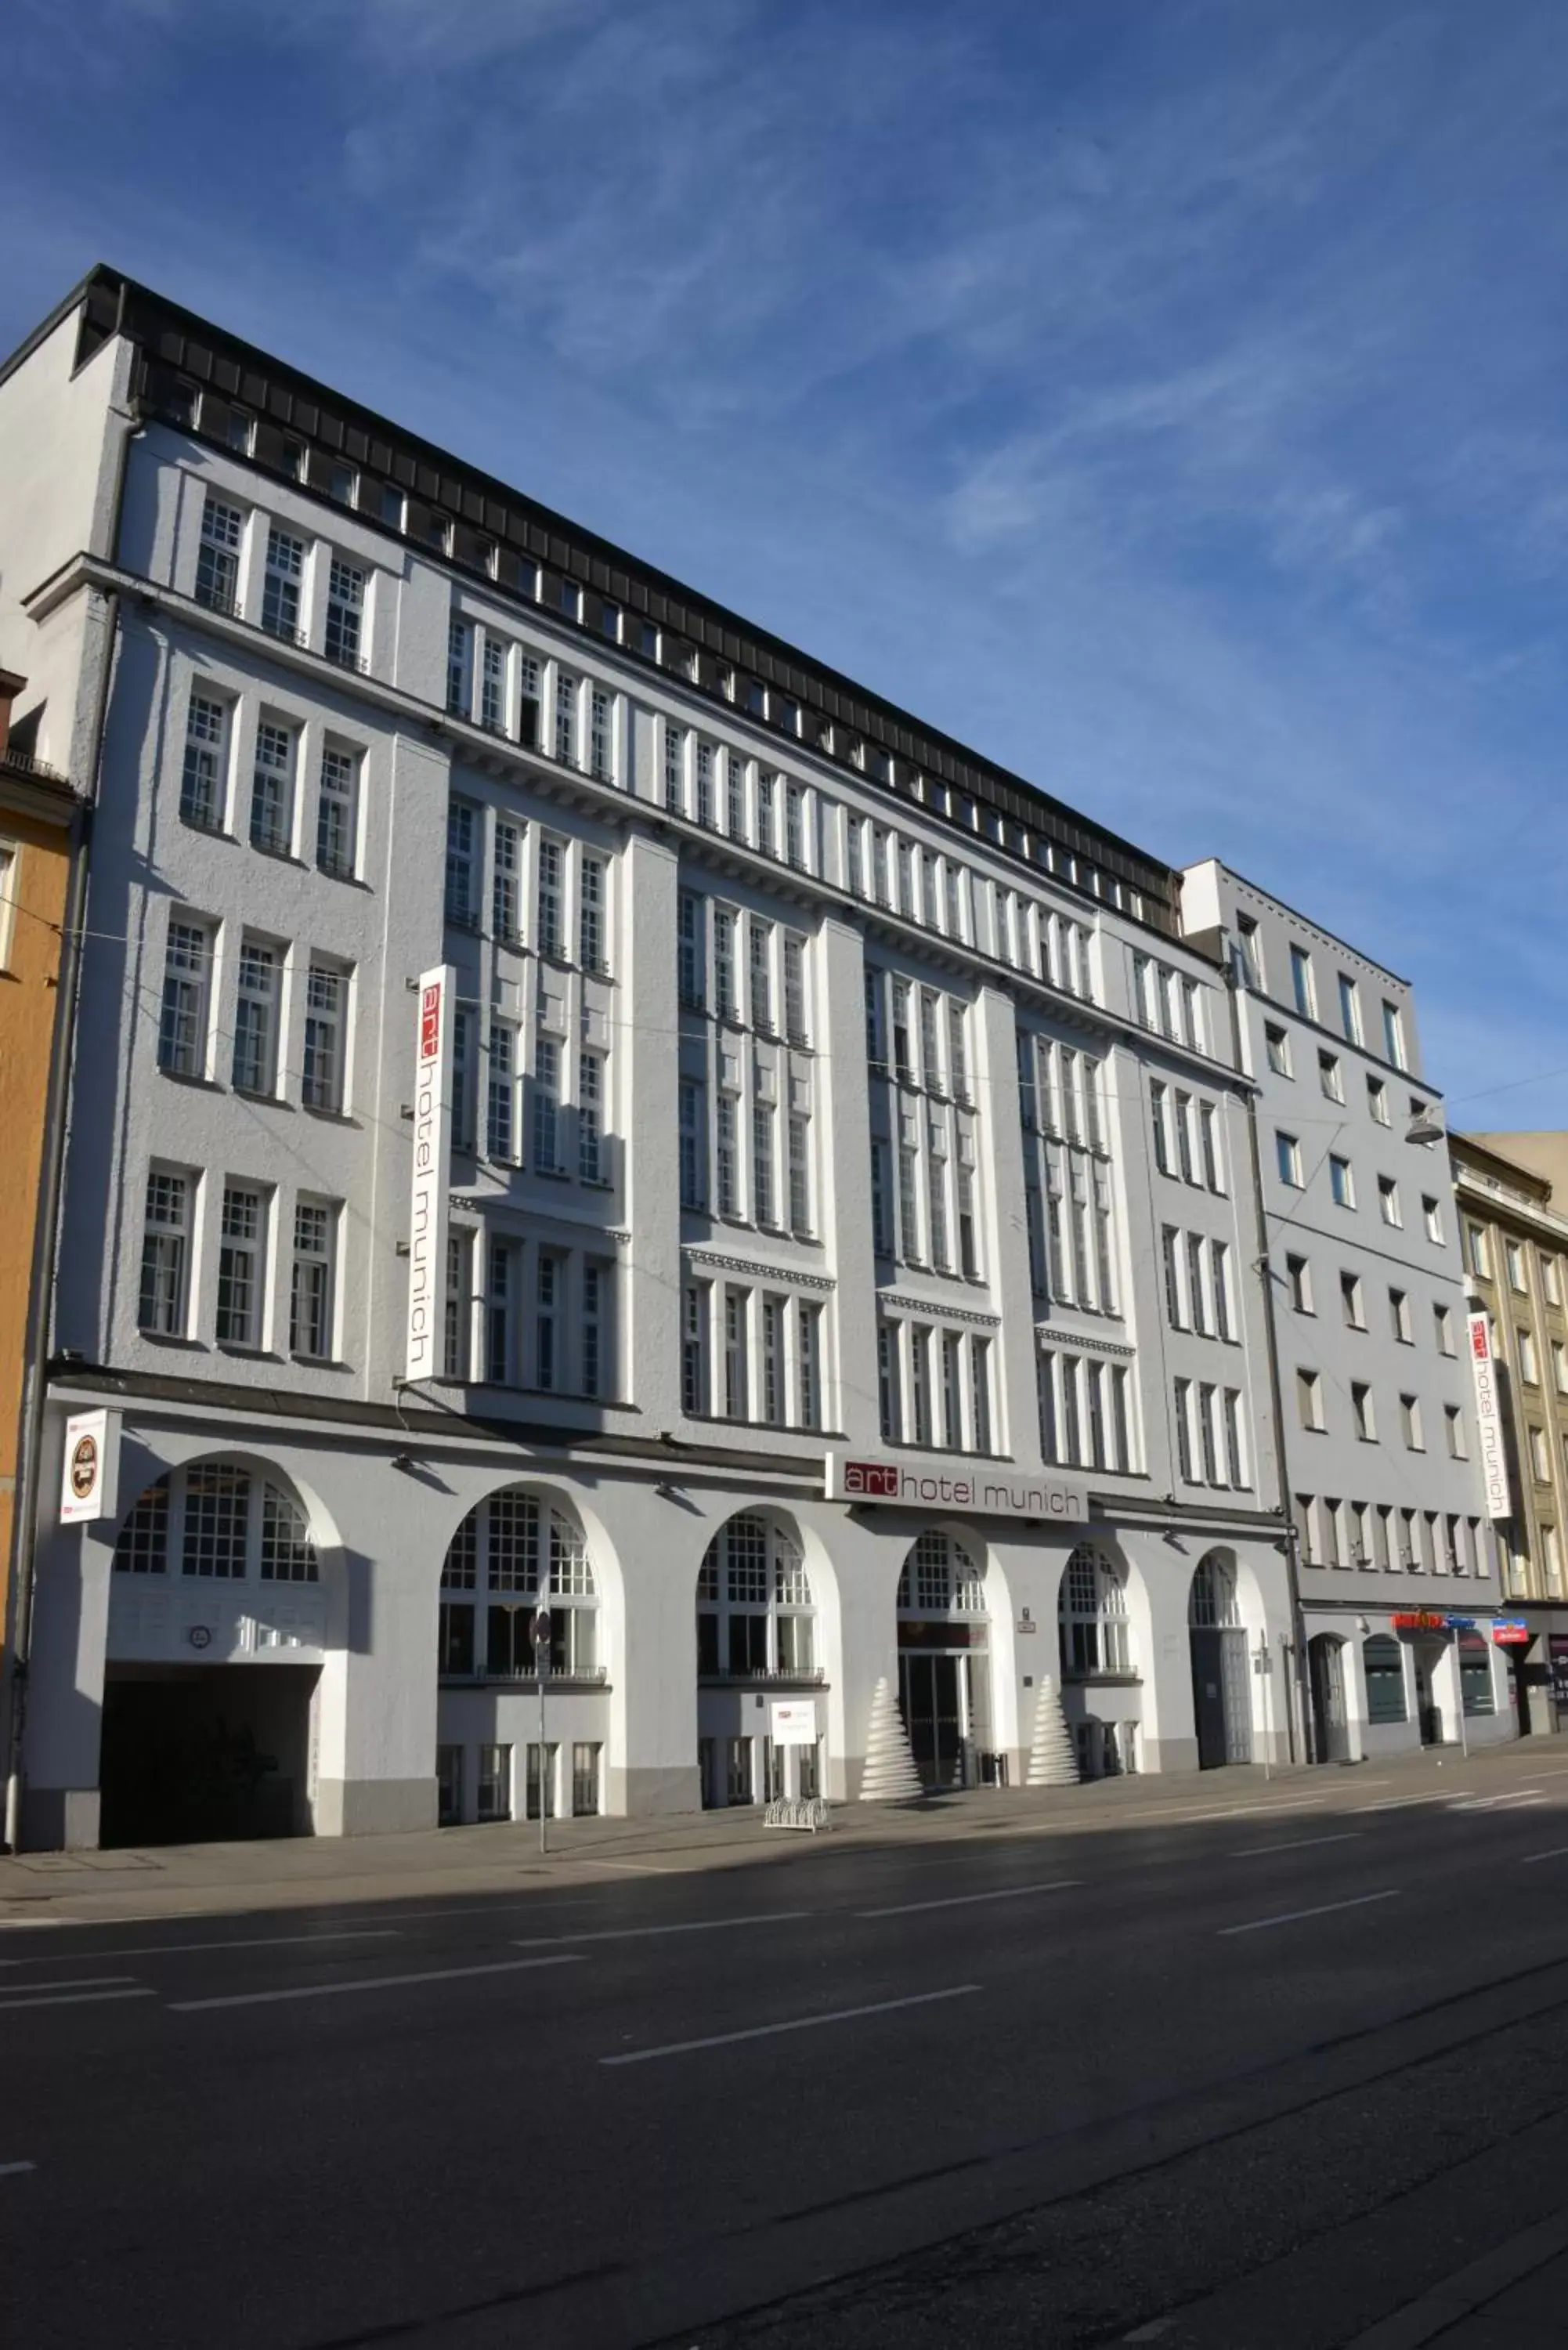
944,1661
523,1547
1221,1691
218,1626
760,1724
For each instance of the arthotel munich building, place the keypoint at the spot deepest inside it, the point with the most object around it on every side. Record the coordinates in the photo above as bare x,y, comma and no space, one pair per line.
575,1104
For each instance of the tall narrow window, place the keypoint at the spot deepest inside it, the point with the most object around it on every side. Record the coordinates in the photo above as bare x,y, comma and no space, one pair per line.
794,990
760,972
501,1120
187,979
888,1383
794,824
492,684
675,769
338,812
952,1391
980,1392
272,789
958,1065
204,776
591,943
344,614
764,1204
735,796
800,1174
772,1338
255,1018
903,1047
500,1288
694,1347
547,1302
600,736
165,1253
310,1297
464,1078
462,840
936,1209
725,1169
724,1001
506,884
242,1258
552,928
590,1117
875,1049
909,1208
218,557
881,1205
705,758
593,1367
1300,982
459,667
735,1381
565,719
921,1386
321,1080
969,1253
282,583
459,1276
547,1105
689,952
808,1331
767,840
693,1139
1392,1035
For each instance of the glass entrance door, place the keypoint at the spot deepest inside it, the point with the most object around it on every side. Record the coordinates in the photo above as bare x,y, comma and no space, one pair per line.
932,1696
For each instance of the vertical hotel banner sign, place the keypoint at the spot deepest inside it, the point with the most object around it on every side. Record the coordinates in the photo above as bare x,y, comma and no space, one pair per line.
427,1203
1489,1420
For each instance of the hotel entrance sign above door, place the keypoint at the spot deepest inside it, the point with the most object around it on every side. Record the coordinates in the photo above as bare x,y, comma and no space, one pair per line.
979,1489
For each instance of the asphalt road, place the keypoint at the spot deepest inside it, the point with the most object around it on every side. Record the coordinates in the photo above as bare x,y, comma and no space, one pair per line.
1253,2079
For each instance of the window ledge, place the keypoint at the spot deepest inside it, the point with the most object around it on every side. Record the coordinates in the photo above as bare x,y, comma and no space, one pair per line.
258,1095
211,831
185,1077
247,1354
1072,1679
319,1362
327,1117
280,855
174,1338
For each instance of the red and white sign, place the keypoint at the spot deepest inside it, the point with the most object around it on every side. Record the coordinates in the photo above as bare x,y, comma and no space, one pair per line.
1489,1420
427,1207
980,1490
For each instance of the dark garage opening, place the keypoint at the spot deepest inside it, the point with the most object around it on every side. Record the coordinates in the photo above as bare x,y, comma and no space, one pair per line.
202,1754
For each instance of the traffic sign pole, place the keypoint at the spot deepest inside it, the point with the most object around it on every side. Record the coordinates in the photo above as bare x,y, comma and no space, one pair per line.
540,1631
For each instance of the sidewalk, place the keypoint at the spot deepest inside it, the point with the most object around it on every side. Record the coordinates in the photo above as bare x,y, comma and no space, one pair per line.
308,1872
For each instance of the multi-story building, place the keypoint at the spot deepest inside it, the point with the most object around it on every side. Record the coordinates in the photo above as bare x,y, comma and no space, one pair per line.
1374,1390
833,1207
41,828
1515,1245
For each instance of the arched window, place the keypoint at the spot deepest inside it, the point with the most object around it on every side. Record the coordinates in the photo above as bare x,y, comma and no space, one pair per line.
755,1612
1092,1612
1383,1662
221,1521
510,1551
1212,1601
940,1579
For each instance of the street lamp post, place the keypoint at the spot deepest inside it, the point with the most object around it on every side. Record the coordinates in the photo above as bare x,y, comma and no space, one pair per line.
539,1629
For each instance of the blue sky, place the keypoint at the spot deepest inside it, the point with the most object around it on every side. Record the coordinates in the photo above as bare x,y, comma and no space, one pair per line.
1167,399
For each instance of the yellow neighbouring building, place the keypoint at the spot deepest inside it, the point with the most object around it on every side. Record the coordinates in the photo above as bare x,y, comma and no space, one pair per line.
1512,1196
40,840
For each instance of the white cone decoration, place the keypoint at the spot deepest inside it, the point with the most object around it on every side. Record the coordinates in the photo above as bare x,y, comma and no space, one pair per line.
1053,1758
890,1776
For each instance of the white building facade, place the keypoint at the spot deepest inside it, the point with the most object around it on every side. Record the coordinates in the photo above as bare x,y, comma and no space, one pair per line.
849,1223
1393,1547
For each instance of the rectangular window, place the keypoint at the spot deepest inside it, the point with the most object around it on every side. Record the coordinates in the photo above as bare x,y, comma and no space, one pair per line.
1198,1300
876,1047
694,1347
908,1210
772,1350
1208,1127
1309,1399
547,1105
794,990
281,584
808,1329
1392,1035
255,1018
1248,956
1160,1123
1277,1044
552,894
903,1046
968,1254
706,755
760,939
1443,1329
1298,1274
726,1166
736,1303
203,780
1288,1155
958,1065
218,557
338,812
565,719
462,840
1361,1411
1528,1371
506,884
980,1392
1399,1316
887,1396
1182,1402
937,1210
800,1175
675,769
1387,1200
735,796
1301,982
599,734
591,943
325,1003
1219,1271
272,789
1410,1422
500,1285
458,1313
766,835
1349,1010
1351,1301
724,998
310,1294
919,1386
1432,1218
242,1263
187,984
763,1204
590,1117
688,957
547,1283
881,1205
501,1107
795,826
1341,1182
1377,1101
1454,1421
1330,1076
344,614
1513,1258
1235,1454
693,1144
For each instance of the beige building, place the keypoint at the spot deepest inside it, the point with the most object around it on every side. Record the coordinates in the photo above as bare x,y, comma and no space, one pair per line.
1513,1194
